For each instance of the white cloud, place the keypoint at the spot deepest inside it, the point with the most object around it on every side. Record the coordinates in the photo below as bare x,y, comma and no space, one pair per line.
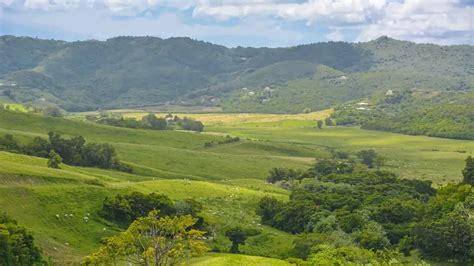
443,22
93,24
50,5
335,35
439,21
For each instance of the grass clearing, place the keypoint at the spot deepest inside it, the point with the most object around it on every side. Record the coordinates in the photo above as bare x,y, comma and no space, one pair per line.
235,259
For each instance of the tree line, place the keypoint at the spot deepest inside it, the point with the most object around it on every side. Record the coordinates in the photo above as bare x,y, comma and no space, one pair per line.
150,121
73,151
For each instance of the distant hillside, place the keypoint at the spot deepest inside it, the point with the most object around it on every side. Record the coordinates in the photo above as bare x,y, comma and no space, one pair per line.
449,114
143,71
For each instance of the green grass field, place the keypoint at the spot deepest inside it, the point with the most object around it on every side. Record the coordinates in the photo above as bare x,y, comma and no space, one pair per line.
232,259
228,179
416,157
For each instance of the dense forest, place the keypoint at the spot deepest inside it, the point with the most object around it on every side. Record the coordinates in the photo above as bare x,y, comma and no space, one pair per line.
345,213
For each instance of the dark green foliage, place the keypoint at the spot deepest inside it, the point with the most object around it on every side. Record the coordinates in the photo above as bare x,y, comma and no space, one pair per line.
367,157
191,124
54,160
188,206
267,208
415,112
238,235
7,142
150,121
328,166
280,174
448,237
328,122
319,124
17,245
305,242
375,208
229,139
350,222
74,151
124,209
52,111
154,122
372,237
468,171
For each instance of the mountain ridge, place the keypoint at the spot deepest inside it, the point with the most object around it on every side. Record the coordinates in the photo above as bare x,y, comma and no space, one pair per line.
138,71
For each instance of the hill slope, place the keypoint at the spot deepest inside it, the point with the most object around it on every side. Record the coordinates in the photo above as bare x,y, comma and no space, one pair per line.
139,71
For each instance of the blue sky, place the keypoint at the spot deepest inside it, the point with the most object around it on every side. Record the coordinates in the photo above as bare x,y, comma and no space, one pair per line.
256,23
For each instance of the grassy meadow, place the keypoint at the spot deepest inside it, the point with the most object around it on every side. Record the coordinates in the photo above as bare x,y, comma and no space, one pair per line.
227,178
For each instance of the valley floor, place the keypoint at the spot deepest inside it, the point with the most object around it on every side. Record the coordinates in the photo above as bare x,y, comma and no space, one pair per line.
227,178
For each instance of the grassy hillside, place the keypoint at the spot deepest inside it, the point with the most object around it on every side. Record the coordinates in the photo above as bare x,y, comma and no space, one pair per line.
415,112
227,178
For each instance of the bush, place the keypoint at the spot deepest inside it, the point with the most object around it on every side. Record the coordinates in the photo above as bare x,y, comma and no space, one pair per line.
17,245
124,209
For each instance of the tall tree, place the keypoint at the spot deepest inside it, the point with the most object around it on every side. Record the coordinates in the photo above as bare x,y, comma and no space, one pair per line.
319,124
54,160
468,171
238,236
368,157
152,241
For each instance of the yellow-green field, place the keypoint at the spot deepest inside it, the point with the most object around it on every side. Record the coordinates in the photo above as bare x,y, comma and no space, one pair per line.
16,107
233,259
216,119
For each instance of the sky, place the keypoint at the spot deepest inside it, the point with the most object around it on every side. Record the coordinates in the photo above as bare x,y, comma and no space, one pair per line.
257,23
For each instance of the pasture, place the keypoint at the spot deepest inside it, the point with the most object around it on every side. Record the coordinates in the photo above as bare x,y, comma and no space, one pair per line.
227,178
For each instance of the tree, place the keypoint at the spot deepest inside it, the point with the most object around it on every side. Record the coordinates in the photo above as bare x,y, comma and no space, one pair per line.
328,122
372,237
17,245
329,255
8,142
319,124
152,241
154,122
368,157
468,172
327,166
267,208
54,160
449,237
52,111
124,209
280,173
238,236
379,162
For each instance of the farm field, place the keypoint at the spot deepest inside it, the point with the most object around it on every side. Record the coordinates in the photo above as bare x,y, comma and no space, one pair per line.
418,157
227,178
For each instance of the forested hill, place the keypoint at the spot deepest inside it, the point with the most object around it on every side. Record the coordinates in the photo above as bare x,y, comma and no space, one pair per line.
139,71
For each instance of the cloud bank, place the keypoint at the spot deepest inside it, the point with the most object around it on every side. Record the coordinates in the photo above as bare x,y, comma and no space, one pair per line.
245,22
